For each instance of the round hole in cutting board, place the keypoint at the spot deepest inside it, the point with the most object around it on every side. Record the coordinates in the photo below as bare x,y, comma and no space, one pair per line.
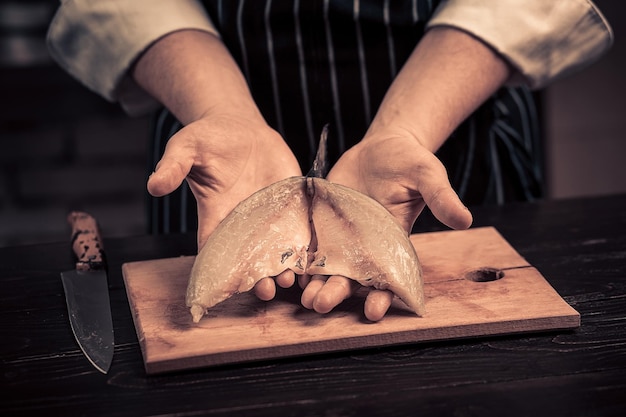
486,274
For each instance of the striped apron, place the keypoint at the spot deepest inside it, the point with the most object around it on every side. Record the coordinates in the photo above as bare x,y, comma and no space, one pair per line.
313,62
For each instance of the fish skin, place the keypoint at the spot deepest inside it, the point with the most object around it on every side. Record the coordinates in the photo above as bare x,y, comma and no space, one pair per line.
365,244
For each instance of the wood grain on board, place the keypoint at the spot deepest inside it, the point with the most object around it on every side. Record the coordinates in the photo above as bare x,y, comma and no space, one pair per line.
244,328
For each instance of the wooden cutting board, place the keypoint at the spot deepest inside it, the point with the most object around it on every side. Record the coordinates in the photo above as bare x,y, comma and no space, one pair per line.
245,329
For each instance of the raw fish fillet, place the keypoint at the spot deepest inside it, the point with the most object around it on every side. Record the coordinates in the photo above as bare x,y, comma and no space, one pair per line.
263,236
271,231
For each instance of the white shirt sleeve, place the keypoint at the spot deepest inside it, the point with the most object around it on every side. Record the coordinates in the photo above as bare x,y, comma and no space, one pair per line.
98,41
542,39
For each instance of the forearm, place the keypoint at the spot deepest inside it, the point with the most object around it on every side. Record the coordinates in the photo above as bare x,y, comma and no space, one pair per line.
448,75
193,74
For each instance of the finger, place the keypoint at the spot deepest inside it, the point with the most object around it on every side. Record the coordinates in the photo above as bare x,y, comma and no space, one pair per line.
286,278
265,289
171,170
446,206
443,202
377,303
335,290
303,280
310,291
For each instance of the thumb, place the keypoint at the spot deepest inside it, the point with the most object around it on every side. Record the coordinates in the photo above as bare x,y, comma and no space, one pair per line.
437,193
446,206
169,173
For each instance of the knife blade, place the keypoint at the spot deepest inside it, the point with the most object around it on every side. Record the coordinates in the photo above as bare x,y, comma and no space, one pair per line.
87,293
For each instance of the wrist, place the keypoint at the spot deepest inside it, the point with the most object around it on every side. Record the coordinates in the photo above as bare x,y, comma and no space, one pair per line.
241,110
395,127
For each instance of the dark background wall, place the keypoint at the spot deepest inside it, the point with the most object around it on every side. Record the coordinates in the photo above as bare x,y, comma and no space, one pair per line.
63,148
585,118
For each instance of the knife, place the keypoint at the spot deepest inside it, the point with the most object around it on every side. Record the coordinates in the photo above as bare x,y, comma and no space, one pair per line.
87,293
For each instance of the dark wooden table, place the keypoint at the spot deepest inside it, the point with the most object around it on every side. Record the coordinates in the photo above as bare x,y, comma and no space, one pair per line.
578,245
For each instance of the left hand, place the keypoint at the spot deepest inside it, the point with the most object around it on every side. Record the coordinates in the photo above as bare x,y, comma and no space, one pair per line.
402,175
224,158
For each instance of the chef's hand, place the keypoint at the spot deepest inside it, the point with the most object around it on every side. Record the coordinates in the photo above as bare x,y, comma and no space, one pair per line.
402,175
224,159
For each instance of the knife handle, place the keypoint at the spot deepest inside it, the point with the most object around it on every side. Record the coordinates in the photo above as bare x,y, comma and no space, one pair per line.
86,242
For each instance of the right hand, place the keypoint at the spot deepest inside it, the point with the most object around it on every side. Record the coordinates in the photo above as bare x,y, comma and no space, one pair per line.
402,175
224,159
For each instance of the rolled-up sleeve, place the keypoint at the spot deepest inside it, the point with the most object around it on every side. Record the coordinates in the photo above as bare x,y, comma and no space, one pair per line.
97,41
543,40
